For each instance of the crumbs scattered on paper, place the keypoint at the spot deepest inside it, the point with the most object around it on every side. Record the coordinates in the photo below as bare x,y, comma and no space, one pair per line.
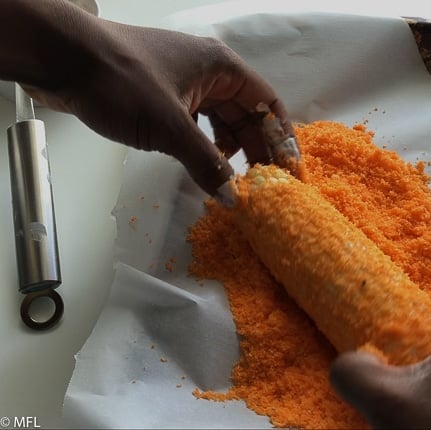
147,235
180,385
132,221
170,264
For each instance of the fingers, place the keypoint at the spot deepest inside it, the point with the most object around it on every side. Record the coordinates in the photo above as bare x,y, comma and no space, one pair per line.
361,380
354,375
205,163
387,396
236,128
278,108
241,123
256,90
231,104
260,133
240,132
283,146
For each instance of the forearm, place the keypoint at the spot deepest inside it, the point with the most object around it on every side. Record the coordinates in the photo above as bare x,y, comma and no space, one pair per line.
43,42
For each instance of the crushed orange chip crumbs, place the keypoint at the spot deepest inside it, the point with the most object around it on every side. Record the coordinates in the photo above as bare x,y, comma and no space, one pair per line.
132,221
283,369
170,264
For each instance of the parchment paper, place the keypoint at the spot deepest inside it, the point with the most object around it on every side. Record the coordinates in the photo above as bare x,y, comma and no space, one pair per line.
161,333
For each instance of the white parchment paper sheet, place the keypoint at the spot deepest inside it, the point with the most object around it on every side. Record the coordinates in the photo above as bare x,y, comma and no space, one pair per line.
162,333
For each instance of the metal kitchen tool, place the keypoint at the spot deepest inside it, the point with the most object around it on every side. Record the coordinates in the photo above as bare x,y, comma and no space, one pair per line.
33,212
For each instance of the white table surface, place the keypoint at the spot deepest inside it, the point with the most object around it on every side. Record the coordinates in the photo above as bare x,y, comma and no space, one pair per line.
87,173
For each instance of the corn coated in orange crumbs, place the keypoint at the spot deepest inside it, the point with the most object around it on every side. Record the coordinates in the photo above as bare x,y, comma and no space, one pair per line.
283,369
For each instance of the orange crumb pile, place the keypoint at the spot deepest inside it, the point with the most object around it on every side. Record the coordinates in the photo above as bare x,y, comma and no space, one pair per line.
283,369
387,198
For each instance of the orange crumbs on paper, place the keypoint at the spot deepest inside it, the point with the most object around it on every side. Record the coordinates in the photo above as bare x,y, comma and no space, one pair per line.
283,369
132,221
384,196
170,264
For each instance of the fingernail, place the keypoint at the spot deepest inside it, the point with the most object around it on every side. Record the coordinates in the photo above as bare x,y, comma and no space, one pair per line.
283,145
225,195
286,149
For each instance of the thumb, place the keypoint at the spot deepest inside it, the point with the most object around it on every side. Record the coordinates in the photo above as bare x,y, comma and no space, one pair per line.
396,397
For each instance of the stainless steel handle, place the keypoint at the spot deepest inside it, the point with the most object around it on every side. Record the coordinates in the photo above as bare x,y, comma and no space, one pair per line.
33,211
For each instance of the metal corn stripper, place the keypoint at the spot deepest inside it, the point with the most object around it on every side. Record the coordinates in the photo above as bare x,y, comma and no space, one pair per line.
36,244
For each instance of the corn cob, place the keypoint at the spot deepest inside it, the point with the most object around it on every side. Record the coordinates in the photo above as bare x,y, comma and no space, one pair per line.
354,293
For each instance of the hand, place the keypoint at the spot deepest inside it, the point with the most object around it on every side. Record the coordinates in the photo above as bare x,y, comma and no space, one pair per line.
143,86
392,397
